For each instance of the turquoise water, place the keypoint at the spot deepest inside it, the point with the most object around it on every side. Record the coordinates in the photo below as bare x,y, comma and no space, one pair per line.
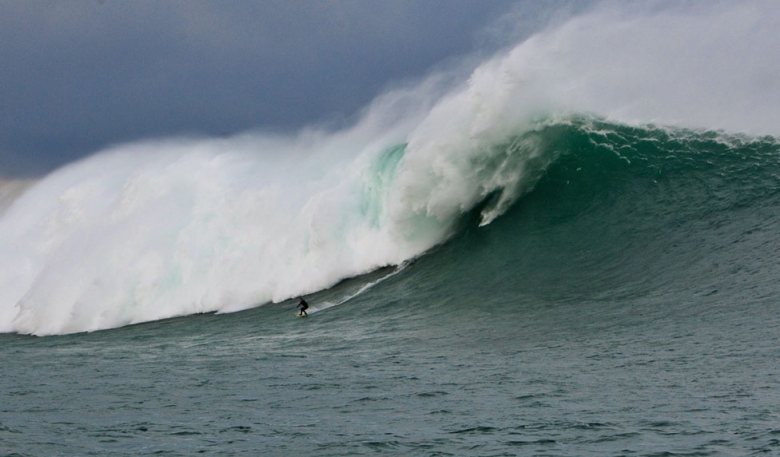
626,305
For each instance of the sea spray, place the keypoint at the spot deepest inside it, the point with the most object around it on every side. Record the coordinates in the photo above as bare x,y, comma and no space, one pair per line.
11,189
165,228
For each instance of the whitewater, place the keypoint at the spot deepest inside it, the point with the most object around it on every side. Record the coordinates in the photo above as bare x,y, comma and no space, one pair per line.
172,227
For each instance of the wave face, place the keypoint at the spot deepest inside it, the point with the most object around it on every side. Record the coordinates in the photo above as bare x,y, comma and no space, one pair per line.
637,216
555,129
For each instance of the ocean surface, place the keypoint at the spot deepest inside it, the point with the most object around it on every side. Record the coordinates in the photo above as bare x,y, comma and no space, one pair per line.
486,276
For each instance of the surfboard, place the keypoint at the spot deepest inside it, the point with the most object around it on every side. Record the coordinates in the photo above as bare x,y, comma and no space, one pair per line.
302,315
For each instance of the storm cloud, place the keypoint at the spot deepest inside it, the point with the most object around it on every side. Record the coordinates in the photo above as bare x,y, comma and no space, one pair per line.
80,75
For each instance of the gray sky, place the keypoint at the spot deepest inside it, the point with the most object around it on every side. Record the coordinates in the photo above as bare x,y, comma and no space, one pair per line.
80,75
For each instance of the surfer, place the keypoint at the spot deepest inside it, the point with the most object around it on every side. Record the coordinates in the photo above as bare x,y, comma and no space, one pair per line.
303,305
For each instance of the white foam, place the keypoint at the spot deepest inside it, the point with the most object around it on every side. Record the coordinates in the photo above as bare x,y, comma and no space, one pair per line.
164,228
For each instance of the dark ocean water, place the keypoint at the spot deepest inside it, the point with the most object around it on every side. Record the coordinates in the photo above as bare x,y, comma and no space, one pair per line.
627,305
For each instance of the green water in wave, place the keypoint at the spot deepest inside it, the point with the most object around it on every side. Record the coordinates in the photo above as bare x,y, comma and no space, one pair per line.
627,212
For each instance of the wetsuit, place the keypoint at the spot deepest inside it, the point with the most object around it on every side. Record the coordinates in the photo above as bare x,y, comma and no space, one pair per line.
304,306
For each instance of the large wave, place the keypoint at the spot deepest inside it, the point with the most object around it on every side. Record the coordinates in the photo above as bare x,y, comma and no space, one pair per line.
164,228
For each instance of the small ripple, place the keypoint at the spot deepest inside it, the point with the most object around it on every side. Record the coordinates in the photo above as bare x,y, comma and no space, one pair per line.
237,428
7,429
661,423
381,444
21,393
559,425
369,399
590,425
531,442
186,433
472,430
528,397
680,454
437,393
610,438
441,411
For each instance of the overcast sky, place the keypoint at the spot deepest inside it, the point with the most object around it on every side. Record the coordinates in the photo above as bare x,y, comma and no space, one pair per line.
79,75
